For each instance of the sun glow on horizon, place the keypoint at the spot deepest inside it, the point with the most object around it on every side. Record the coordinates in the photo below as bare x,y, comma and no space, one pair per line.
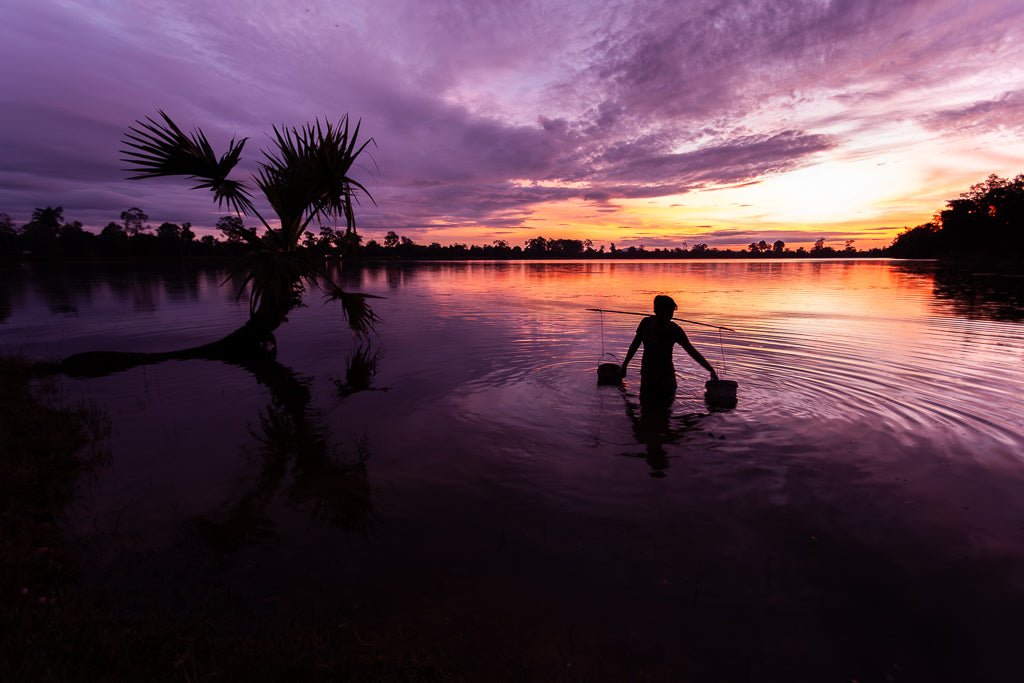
868,195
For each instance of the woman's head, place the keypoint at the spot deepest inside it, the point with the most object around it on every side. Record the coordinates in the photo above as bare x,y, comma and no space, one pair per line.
664,306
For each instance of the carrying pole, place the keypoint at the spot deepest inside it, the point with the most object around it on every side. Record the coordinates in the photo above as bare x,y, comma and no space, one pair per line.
684,320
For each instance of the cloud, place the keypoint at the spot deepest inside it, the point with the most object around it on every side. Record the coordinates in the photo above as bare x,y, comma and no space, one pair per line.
486,111
646,172
706,62
1005,112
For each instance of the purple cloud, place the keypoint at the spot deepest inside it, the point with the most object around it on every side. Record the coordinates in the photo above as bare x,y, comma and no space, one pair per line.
483,111
1005,112
650,173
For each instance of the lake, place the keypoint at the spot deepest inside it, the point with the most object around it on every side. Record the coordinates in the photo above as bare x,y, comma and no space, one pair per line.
458,485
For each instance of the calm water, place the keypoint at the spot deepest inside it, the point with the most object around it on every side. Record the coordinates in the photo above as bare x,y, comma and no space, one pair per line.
474,495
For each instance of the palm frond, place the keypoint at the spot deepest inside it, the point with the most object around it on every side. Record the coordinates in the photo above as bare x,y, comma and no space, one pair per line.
275,278
154,149
306,175
248,235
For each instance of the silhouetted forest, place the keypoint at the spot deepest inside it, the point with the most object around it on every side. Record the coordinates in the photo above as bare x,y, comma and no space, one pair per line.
986,223
48,236
395,246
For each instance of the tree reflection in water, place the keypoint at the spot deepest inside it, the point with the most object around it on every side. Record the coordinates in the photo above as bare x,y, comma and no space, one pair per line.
360,369
296,452
974,294
995,296
297,457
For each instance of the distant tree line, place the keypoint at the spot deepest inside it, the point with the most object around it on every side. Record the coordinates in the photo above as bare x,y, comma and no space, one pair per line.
985,223
400,247
47,235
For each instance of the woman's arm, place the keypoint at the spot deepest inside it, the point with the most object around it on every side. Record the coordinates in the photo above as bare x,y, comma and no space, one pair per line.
633,346
684,341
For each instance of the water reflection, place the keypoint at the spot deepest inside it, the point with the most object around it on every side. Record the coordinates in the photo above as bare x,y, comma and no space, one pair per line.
70,289
11,286
297,456
181,284
56,286
360,370
992,296
864,479
654,427
393,275
293,444
972,294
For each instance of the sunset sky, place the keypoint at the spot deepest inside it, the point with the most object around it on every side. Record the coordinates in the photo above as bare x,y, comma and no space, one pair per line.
636,122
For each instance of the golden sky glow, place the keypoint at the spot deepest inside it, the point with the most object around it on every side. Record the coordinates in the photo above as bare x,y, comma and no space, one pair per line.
653,122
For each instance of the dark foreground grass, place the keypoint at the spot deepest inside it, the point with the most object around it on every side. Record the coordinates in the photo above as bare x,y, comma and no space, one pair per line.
53,629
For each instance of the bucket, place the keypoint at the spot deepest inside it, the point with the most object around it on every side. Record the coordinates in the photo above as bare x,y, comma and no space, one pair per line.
720,393
609,373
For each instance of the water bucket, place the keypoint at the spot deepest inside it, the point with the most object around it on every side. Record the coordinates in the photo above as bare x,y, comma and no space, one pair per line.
720,393
609,373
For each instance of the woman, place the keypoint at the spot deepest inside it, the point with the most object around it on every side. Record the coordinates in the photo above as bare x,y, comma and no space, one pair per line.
659,335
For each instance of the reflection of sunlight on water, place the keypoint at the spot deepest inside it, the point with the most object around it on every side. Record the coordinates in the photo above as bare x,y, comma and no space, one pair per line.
875,420
911,382
819,345
822,349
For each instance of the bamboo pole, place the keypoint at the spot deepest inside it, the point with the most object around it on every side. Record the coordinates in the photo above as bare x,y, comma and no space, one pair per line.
684,320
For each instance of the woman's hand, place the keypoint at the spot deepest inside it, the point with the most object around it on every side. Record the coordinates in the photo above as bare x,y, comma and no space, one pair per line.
622,370
714,375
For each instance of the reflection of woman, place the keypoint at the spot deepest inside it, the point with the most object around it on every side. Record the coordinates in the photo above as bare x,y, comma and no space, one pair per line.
659,335
654,428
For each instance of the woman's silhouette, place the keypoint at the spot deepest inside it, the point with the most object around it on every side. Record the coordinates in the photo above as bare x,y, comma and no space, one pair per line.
659,335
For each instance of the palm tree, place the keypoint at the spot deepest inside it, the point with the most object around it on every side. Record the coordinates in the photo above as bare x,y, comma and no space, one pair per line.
303,177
